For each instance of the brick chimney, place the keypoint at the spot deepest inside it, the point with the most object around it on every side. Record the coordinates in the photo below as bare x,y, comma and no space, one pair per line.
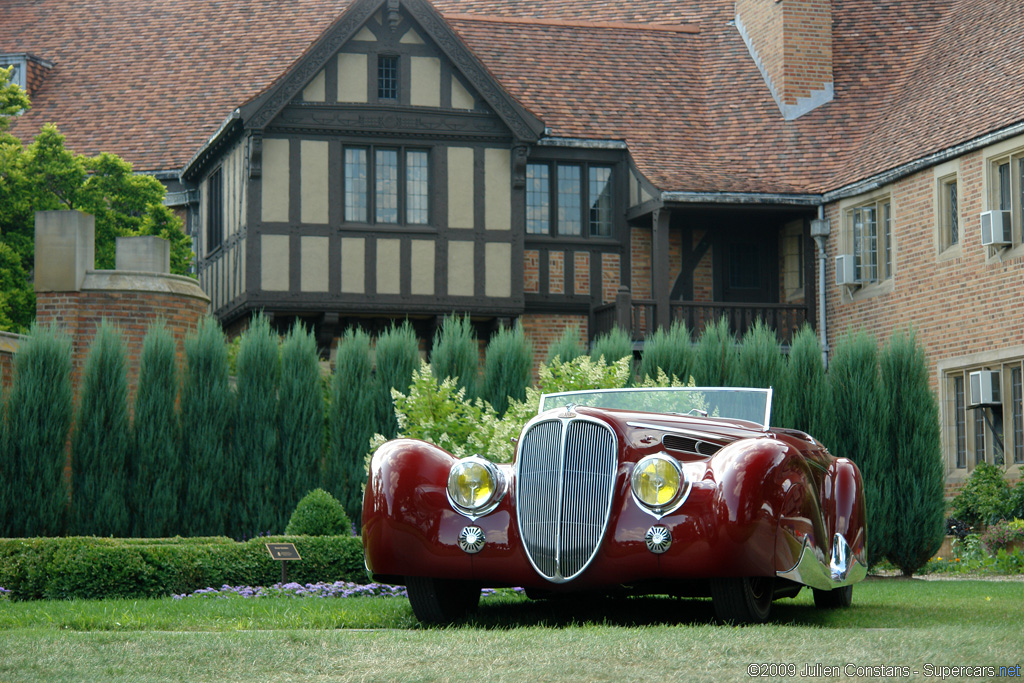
791,43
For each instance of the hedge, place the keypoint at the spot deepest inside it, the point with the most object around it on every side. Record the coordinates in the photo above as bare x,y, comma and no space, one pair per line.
85,567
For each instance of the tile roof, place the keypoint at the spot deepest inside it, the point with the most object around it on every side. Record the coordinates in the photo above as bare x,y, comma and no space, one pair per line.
152,82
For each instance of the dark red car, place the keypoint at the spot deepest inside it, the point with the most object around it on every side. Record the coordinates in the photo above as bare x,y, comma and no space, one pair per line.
671,491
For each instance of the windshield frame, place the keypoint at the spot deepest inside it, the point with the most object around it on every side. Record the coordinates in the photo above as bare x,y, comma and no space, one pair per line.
558,399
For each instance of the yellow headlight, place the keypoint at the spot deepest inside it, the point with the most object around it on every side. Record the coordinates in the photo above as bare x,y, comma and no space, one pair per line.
657,482
473,484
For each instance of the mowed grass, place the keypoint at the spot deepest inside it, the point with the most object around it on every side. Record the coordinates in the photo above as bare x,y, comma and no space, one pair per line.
893,622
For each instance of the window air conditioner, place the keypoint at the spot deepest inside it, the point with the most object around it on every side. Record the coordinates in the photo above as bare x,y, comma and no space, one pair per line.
996,228
984,388
846,270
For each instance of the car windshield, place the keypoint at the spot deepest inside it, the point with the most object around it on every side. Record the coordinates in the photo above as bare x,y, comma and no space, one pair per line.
752,405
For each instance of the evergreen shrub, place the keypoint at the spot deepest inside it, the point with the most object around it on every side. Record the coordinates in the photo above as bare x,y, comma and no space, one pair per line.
319,514
456,354
255,451
39,410
507,367
716,359
301,420
155,475
206,407
916,473
351,422
670,351
612,345
568,346
398,356
985,498
803,398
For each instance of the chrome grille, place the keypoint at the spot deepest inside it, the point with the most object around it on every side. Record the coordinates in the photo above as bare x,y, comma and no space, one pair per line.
564,478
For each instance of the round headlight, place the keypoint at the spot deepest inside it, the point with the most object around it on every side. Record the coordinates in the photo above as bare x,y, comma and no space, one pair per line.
475,486
658,483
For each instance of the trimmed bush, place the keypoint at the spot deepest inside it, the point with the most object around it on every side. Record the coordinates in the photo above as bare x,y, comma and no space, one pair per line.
456,354
99,448
985,498
716,362
671,352
39,412
255,452
319,514
507,367
568,347
916,473
301,425
103,568
352,423
803,399
398,355
613,345
154,483
857,426
206,407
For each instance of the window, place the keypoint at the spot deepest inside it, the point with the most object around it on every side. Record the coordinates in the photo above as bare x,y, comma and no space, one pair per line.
1006,189
387,77
988,433
1017,400
566,198
214,211
394,191
870,229
960,407
949,213
17,76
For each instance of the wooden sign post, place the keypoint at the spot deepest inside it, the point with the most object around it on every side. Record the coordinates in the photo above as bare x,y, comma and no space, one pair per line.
285,552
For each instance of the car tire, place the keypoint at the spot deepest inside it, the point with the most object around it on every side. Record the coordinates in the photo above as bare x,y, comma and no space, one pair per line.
833,599
441,601
744,600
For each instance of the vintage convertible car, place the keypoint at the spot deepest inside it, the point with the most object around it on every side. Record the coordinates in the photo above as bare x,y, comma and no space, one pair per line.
671,491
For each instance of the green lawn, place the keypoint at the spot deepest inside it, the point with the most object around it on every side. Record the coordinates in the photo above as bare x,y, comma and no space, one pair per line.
892,623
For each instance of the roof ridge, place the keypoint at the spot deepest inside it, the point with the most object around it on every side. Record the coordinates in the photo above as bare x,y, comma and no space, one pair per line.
574,23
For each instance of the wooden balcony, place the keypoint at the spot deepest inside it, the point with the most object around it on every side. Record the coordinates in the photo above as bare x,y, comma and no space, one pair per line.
639,316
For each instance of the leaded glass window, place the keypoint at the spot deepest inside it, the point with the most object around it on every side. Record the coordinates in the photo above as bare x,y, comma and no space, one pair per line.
386,186
356,182
1017,396
979,435
601,201
576,200
569,200
387,77
417,191
538,202
960,409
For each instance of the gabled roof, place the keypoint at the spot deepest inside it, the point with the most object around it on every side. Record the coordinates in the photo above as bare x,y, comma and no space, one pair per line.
673,80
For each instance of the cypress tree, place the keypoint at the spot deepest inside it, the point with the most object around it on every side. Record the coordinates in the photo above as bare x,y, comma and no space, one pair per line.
804,400
670,351
301,421
715,364
568,345
508,364
206,404
857,429
456,354
255,449
760,362
351,423
398,355
917,473
155,475
99,448
39,411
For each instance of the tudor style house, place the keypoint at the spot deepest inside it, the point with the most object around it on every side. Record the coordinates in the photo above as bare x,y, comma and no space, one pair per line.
844,163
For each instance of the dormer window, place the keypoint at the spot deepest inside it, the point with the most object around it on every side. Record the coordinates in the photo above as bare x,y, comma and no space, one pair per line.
18,75
387,77
28,70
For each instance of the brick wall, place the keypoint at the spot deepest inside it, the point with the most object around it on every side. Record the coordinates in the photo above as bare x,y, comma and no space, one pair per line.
640,249
543,330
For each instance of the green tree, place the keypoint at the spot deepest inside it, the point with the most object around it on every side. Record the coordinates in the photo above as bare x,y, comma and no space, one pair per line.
255,449
398,355
716,363
508,363
857,427
45,175
456,353
803,398
155,474
568,346
300,421
206,406
39,411
670,351
100,446
613,345
352,422
917,474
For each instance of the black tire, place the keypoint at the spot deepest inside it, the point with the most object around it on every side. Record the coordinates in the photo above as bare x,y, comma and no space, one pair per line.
441,601
745,600
833,599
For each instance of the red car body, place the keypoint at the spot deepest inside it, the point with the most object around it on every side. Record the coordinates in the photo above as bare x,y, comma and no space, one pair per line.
766,512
